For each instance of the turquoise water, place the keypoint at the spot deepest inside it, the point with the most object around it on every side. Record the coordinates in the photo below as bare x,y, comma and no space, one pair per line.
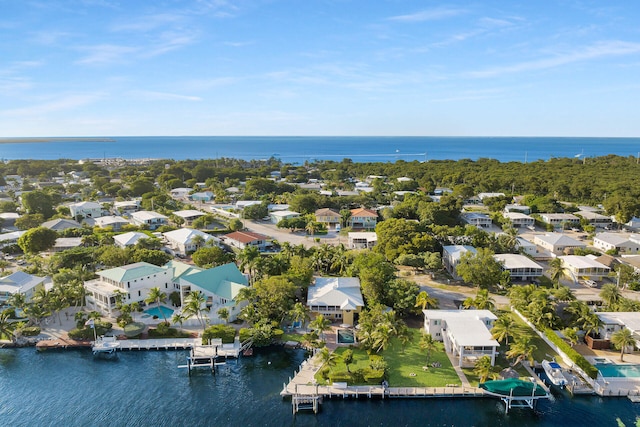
612,370
301,149
158,311
71,388
345,336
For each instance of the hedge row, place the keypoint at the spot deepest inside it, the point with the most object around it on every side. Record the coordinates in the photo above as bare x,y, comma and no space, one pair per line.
360,376
579,360
31,331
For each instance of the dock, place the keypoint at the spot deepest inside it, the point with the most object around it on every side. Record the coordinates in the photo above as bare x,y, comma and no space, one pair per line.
214,354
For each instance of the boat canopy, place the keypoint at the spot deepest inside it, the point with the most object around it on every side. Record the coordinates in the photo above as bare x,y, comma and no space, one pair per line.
514,387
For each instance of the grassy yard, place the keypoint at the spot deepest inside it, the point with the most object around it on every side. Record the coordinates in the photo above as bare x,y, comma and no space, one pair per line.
405,368
292,337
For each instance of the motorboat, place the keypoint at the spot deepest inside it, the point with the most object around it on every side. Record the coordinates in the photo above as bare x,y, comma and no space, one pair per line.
554,373
105,345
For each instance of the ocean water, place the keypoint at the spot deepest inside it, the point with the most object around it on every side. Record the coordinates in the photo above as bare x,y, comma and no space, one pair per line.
297,150
71,388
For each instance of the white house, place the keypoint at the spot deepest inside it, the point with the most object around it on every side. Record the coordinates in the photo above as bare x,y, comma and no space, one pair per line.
517,208
85,210
21,283
126,207
61,224
363,219
152,220
278,216
451,257
476,218
526,247
129,239
220,286
519,266
189,215
519,219
184,240
362,239
115,222
557,243
483,196
614,321
584,267
617,242
465,333
596,219
134,280
560,219
10,238
180,193
336,298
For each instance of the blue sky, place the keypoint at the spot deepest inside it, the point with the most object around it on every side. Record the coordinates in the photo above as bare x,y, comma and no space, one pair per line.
315,67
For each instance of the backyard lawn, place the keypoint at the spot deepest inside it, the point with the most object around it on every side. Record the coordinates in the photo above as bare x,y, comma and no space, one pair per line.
405,368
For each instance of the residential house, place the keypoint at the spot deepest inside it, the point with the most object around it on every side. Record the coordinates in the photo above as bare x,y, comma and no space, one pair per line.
8,219
560,219
557,243
180,270
82,210
189,216
20,282
202,196
129,239
517,208
619,243
133,280
451,256
220,286
518,219
11,238
466,334
113,221
615,321
476,218
151,220
596,219
584,267
336,298
362,239
363,219
483,196
64,243
243,239
61,224
278,216
526,247
330,218
184,241
180,193
519,266
126,207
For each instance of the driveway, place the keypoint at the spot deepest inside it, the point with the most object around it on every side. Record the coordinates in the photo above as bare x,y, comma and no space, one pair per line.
295,238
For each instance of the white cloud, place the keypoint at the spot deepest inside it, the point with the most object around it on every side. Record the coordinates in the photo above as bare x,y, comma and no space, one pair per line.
161,96
106,54
428,15
595,51
68,102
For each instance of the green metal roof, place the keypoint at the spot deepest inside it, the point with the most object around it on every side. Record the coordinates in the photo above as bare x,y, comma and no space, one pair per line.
181,269
225,280
130,272
517,386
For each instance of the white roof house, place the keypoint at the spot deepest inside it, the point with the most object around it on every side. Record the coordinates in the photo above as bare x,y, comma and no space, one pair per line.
11,237
129,239
556,219
150,219
557,243
595,219
362,239
21,283
618,242
519,266
182,240
278,216
189,215
526,247
451,257
61,224
483,196
519,219
180,193
113,221
465,333
335,297
614,321
582,266
85,209
476,218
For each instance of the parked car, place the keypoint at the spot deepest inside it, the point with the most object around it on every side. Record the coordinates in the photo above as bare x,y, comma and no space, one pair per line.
590,283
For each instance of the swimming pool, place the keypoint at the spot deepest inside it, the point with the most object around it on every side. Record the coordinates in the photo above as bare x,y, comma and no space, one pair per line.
346,336
157,311
612,370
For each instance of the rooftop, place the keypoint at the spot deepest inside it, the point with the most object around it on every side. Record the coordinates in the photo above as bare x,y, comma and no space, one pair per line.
343,292
131,272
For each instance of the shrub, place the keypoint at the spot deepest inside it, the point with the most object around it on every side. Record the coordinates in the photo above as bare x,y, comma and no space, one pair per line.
31,331
340,376
134,329
373,376
81,334
324,372
226,333
579,360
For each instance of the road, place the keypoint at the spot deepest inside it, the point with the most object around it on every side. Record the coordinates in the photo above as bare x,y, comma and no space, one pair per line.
294,238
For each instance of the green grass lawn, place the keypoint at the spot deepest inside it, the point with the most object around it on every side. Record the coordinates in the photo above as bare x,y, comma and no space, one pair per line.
292,337
405,368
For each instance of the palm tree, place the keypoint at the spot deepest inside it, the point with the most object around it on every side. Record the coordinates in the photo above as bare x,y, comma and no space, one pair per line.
424,300
223,313
564,294
483,368
321,324
403,336
6,326
484,301
4,265
328,357
610,294
300,313
157,296
427,344
521,349
381,336
503,328
193,306
178,318
347,358
622,339
571,334
248,259
197,241
556,271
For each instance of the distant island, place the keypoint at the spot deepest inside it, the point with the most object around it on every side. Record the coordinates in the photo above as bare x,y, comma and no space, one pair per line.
49,139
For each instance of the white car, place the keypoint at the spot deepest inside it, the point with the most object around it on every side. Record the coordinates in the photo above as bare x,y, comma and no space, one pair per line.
590,283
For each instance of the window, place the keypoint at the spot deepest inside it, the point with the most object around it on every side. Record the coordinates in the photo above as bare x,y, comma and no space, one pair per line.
139,294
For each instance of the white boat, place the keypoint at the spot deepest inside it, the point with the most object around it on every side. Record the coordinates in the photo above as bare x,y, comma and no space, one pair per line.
554,373
105,345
